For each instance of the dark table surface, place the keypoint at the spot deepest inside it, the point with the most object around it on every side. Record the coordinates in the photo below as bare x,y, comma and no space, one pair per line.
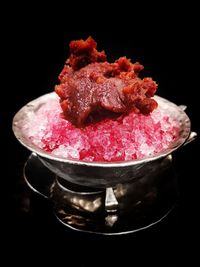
30,228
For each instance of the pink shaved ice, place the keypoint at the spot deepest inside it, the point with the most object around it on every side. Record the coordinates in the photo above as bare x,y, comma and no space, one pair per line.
129,137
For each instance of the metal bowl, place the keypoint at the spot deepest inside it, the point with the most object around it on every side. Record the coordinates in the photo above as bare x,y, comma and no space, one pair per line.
100,174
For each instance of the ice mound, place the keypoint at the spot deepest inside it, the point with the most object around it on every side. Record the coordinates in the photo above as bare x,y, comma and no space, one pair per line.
129,137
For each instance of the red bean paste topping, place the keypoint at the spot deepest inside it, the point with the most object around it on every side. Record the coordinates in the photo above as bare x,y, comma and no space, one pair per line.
90,86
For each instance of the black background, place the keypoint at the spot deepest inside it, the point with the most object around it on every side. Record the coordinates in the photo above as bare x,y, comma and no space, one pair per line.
35,47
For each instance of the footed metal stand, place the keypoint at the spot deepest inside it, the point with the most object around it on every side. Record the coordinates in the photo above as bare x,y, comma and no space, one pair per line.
125,208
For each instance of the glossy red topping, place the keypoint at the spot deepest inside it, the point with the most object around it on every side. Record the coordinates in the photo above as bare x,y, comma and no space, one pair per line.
91,87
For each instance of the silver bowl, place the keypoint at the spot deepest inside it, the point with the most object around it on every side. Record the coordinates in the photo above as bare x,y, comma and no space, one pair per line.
100,174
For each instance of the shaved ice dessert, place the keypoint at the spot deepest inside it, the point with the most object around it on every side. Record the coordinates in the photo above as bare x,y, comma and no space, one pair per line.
103,112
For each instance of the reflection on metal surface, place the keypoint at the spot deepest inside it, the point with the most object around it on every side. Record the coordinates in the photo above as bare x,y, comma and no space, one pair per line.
192,137
111,203
125,208
86,205
72,219
120,190
110,220
66,195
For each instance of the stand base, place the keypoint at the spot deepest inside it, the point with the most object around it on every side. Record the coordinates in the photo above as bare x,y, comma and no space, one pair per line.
140,203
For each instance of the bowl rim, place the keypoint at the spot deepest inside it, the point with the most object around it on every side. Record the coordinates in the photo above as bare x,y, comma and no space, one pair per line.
19,116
